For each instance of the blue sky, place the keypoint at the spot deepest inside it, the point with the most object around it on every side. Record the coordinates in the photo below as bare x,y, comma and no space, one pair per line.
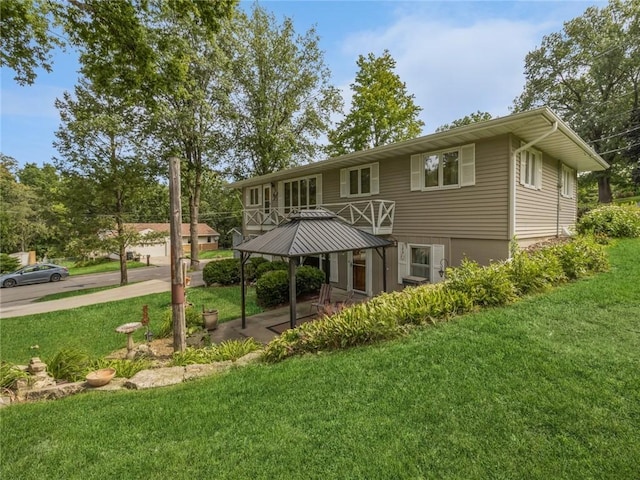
455,57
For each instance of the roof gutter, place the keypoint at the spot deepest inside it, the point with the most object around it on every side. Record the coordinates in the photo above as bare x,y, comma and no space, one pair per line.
512,179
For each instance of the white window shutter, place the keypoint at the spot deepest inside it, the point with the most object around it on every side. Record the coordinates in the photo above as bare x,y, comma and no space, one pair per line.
319,190
538,167
333,268
260,190
375,179
437,255
468,165
344,192
247,196
523,167
403,261
416,172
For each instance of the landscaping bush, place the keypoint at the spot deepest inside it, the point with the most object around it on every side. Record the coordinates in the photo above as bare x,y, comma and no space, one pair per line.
222,272
580,257
615,221
71,364
193,321
251,267
8,263
488,286
9,374
270,267
308,280
229,350
535,271
272,288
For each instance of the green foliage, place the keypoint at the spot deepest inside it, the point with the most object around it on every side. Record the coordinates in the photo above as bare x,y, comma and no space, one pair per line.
8,264
614,221
535,271
71,364
488,286
382,112
252,267
466,120
273,288
193,321
222,272
580,257
124,368
228,350
270,267
308,279
9,374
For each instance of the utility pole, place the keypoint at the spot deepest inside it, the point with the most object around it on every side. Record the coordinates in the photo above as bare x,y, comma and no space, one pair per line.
177,277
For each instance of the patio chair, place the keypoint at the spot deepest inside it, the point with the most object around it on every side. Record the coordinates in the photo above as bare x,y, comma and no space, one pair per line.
323,298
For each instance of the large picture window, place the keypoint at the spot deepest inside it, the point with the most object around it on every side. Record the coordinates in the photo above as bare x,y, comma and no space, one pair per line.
301,193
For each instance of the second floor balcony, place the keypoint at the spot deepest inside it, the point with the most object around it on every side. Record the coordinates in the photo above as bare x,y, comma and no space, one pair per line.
372,216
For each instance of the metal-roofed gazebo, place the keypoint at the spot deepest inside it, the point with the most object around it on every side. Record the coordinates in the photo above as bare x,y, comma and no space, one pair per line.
304,233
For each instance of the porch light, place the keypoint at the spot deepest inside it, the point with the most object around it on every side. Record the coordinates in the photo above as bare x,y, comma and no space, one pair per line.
443,267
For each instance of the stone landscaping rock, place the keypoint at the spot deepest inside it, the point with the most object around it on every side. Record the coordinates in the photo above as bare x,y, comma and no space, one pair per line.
251,357
197,371
157,377
54,392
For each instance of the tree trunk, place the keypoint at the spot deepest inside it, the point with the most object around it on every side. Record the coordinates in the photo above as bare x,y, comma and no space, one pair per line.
122,252
604,188
194,212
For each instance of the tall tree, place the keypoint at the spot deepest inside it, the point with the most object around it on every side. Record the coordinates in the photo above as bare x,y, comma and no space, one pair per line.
589,73
282,100
382,111
466,120
20,213
26,37
101,149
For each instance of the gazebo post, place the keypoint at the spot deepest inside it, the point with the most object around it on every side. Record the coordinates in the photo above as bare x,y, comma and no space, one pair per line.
292,291
326,268
243,259
384,268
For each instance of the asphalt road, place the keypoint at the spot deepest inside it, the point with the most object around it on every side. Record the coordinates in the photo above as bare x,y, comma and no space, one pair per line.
23,295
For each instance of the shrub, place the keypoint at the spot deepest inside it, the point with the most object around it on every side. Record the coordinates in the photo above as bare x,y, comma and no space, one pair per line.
251,267
124,368
611,220
8,263
229,350
270,267
223,272
71,364
486,286
580,257
428,303
308,279
9,374
193,321
535,271
272,288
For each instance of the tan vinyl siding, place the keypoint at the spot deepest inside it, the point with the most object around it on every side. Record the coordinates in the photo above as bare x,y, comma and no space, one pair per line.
569,209
478,211
542,213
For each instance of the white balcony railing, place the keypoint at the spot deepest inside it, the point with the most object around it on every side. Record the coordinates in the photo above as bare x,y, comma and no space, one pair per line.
373,216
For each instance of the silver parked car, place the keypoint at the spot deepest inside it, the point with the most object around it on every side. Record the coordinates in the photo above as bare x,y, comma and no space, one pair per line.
38,273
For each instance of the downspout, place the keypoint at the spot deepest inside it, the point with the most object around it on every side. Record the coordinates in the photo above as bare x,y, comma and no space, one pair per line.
559,184
512,179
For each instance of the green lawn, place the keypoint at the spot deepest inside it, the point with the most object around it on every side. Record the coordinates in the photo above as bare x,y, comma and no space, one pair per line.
547,388
76,293
215,254
103,267
92,328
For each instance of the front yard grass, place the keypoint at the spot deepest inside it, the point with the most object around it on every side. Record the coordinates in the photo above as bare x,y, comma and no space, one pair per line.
544,389
91,328
102,267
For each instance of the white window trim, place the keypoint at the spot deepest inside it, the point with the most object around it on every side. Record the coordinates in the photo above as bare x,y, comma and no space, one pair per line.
404,261
374,181
466,168
567,173
281,195
537,169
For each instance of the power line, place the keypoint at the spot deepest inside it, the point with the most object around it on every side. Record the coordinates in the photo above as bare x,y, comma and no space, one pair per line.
620,149
616,134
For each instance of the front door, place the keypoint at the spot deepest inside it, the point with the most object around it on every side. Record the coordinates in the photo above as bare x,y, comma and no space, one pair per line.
359,265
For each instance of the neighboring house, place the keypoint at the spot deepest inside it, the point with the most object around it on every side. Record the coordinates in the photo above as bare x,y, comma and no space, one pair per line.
207,239
466,192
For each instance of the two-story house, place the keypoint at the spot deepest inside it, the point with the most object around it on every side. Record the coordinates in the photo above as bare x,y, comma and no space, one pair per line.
466,192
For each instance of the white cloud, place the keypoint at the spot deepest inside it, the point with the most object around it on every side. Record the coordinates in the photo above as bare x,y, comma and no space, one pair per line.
454,69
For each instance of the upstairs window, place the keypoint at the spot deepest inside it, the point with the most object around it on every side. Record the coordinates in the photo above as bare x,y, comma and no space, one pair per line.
450,168
568,182
531,169
360,181
301,193
253,196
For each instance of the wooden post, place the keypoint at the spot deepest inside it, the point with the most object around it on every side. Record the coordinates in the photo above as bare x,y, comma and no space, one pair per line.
177,280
